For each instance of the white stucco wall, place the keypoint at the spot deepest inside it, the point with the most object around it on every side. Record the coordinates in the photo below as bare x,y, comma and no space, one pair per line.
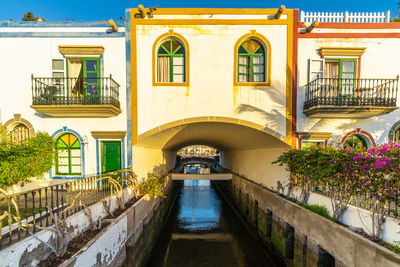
23,56
380,60
256,165
211,91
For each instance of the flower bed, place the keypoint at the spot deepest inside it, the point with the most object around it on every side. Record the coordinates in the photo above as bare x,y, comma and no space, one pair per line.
343,174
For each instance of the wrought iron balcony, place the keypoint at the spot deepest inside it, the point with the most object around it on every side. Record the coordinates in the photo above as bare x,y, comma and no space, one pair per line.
341,97
76,97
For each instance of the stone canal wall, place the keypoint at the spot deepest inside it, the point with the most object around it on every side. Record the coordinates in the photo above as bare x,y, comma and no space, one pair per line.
298,236
137,227
136,230
30,251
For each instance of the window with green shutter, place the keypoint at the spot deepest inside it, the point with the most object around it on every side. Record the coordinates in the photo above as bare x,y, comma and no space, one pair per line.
171,62
68,155
251,62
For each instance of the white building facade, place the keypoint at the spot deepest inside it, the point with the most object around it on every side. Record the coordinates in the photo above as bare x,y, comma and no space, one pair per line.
348,80
67,79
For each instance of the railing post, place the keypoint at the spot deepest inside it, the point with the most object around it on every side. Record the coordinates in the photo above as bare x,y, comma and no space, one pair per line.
346,16
302,16
387,17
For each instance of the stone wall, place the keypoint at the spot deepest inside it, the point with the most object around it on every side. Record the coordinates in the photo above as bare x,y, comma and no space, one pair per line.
298,236
137,226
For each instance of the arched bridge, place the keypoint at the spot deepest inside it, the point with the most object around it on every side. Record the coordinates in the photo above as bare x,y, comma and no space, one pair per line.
211,162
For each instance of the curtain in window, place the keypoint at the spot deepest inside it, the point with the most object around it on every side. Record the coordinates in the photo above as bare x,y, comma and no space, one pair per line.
331,72
331,69
75,73
164,69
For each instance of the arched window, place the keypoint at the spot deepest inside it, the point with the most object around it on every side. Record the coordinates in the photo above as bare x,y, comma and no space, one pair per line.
20,133
251,62
397,136
356,141
68,155
171,62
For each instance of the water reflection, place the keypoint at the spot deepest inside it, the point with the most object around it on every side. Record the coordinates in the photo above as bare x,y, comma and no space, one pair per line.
199,207
202,230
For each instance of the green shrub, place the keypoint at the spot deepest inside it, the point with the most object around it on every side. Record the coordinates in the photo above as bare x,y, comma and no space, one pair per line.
319,209
153,186
19,162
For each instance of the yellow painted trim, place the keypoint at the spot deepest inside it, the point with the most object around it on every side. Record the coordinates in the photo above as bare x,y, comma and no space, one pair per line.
134,111
342,51
314,135
289,85
109,134
187,59
78,111
81,49
214,11
263,40
135,20
210,22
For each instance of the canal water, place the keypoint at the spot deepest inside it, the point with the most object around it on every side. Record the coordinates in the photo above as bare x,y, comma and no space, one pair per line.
203,230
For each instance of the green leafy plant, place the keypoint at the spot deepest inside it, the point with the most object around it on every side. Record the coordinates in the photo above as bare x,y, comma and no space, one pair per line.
19,162
152,186
5,135
28,16
321,210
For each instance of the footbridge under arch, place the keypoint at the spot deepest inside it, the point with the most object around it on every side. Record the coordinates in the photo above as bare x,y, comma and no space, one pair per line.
246,148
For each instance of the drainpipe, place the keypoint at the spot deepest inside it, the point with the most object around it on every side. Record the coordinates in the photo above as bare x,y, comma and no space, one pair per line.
312,26
141,11
280,11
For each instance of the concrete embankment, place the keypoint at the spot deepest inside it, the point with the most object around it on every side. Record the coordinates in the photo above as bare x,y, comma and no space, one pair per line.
299,236
137,226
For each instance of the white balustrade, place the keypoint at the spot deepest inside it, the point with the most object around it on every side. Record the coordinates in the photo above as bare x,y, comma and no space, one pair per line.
366,17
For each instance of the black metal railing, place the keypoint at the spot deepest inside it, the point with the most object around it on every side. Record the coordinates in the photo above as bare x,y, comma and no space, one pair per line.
31,209
339,92
75,91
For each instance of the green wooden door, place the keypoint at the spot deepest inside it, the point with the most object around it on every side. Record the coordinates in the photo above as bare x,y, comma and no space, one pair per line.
111,156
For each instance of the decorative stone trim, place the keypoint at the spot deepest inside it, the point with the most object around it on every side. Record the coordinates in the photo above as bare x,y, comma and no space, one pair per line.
361,132
81,49
342,51
12,123
109,134
323,136
78,111
346,111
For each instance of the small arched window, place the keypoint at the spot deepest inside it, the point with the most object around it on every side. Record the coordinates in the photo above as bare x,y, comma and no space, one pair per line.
68,155
251,62
171,62
356,141
20,133
397,136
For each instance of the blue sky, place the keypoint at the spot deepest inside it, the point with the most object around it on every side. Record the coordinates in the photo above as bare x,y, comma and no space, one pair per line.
89,10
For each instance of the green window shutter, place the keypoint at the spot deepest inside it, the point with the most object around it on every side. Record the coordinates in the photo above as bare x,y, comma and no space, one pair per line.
348,76
68,155
175,52
251,62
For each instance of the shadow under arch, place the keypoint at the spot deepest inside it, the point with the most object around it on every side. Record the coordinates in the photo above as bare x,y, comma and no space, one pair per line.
223,133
